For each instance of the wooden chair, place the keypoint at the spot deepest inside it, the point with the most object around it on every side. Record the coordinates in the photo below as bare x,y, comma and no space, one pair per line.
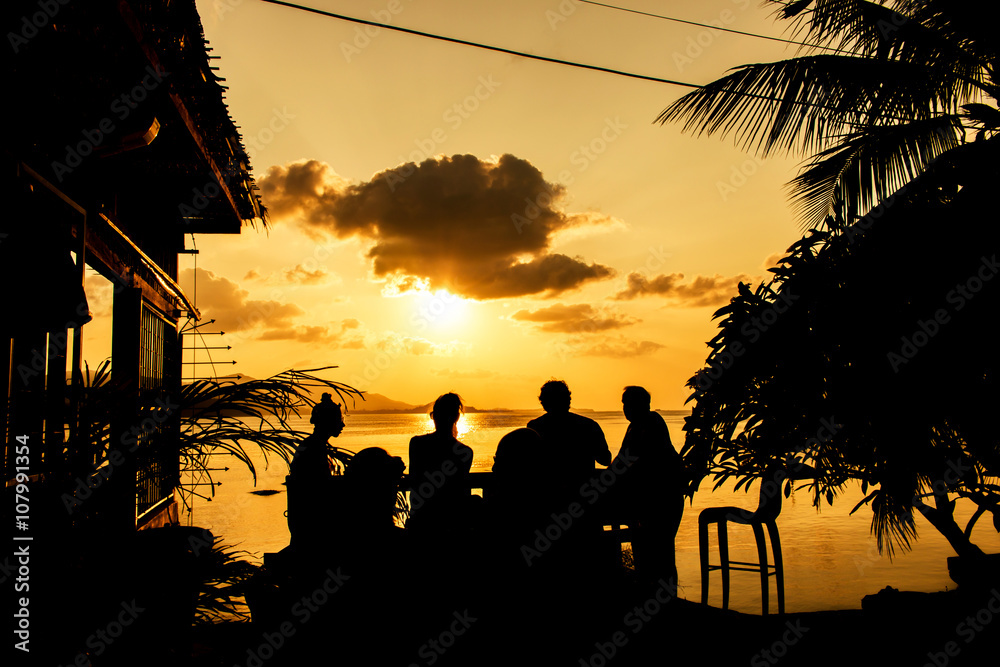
768,508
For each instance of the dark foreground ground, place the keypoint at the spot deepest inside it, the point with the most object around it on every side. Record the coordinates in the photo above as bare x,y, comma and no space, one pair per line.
621,624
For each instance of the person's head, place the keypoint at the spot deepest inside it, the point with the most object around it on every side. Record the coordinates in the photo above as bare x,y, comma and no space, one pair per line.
635,402
554,396
326,417
446,411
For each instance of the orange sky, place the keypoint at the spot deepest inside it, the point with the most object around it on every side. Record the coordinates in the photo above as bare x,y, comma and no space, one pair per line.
529,220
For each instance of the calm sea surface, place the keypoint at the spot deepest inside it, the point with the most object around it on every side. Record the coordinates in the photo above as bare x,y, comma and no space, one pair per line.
830,559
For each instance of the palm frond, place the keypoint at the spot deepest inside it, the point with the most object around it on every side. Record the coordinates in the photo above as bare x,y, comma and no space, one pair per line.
808,103
869,166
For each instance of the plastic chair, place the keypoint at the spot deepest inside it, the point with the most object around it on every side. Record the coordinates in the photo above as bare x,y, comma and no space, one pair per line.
768,508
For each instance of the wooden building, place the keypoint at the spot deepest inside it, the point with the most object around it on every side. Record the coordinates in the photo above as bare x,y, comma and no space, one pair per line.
118,145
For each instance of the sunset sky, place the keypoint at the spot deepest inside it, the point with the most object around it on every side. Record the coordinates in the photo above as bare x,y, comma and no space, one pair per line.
445,218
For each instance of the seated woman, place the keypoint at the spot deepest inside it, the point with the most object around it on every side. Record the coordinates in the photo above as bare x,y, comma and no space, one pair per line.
440,494
309,479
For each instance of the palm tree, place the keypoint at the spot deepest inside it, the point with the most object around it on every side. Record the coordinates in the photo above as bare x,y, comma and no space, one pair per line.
812,368
887,89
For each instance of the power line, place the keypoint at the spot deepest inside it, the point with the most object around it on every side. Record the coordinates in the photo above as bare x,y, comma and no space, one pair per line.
500,49
532,56
712,27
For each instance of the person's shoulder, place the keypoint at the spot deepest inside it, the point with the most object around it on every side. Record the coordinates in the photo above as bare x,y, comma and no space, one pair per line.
585,422
656,418
539,421
424,440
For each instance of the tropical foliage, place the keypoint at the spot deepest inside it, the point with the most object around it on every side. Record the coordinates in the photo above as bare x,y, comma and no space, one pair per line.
224,416
888,89
869,356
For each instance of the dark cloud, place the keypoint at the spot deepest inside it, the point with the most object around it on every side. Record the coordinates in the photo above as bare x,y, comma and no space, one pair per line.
578,318
702,291
228,304
479,229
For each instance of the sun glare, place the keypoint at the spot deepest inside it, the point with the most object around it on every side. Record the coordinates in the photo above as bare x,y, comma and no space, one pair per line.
441,310
463,427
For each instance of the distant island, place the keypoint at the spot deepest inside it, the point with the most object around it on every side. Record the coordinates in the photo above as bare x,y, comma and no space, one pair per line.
378,404
382,404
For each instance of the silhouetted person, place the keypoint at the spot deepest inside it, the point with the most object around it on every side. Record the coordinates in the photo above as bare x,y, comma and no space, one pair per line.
439,471
651,488
519,495
573,442
572,445
372,483
309,499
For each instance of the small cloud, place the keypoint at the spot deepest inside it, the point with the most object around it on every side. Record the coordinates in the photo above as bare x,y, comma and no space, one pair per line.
577,318
334,336
303,276
617,348
702,291
395,343
229,305
478,374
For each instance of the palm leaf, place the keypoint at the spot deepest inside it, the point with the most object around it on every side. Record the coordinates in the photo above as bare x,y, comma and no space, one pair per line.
869,166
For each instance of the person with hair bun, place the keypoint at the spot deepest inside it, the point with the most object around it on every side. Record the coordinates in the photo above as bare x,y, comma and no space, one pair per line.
309,476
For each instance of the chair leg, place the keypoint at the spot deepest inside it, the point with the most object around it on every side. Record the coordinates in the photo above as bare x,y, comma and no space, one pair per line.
779,573
703,551
724,562
758,533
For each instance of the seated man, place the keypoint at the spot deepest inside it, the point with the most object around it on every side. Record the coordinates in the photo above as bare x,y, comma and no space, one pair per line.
572,442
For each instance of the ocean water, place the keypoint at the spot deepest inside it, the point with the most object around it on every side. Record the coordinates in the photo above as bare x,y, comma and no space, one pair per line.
830,558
